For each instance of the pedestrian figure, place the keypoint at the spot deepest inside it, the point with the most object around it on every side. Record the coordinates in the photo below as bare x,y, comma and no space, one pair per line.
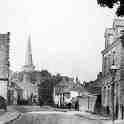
69,106
40,102
77,105
122,111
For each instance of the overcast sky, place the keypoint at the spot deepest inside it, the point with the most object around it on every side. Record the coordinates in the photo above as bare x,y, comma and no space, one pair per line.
67,36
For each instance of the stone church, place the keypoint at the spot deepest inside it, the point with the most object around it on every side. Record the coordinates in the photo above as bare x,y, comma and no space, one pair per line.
26,90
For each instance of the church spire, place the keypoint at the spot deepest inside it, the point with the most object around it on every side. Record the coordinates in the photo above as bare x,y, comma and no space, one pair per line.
28,57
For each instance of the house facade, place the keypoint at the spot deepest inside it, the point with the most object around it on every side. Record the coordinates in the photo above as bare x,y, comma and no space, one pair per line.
4,64
113,53
64,91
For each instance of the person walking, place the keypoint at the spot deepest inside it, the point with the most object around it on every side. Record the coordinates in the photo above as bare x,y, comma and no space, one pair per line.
77,105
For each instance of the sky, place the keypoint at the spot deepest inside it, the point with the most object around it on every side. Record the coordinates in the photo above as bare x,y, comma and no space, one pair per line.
67,36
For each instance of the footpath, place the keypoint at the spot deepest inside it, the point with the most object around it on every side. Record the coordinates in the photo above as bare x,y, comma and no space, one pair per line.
9,116
104,120
85,114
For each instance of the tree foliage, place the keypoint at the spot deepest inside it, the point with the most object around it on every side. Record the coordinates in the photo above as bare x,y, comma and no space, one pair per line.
45,91
45,88
45,73
111,4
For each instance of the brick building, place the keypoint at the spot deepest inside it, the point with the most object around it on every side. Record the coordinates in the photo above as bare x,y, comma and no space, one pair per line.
113,52
4,64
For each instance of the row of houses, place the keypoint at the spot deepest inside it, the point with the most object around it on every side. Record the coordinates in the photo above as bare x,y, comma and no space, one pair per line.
87,94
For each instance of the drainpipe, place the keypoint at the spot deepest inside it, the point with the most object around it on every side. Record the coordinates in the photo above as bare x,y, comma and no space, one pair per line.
88,103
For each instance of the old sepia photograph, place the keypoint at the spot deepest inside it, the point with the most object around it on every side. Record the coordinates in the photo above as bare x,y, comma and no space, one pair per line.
61,61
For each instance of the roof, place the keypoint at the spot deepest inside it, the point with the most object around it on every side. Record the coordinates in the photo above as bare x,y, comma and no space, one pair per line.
25,85
66,86
65,83
93,88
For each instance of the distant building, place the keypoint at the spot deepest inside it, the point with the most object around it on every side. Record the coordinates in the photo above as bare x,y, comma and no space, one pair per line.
113,53
65,90
4,63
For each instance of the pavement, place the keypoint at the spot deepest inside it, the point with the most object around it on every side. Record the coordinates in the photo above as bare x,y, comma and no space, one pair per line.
84,113
115,122
9,116
76,113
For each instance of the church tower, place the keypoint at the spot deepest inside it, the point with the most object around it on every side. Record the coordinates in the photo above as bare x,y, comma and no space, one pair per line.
28,67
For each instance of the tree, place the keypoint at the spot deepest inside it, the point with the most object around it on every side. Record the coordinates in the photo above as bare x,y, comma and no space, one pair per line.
45,73
45,91
111,4
46,87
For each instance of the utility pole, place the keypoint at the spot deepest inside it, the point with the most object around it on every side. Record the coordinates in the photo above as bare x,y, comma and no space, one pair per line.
113,71
112,93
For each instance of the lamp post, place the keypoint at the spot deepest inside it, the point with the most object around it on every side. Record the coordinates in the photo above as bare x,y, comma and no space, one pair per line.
113,71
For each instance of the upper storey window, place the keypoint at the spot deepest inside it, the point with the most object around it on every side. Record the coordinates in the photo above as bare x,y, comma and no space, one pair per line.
118,26
112,34
109,37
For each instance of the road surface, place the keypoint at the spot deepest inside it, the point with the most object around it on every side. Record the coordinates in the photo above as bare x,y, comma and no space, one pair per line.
47,115
53,118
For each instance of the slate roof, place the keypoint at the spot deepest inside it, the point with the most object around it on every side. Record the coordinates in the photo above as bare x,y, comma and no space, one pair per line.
66,86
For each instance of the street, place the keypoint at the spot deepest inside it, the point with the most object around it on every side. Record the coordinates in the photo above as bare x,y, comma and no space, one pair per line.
47,115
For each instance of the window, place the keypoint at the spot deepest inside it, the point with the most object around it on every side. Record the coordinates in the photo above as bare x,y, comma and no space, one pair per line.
111,39
105,65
